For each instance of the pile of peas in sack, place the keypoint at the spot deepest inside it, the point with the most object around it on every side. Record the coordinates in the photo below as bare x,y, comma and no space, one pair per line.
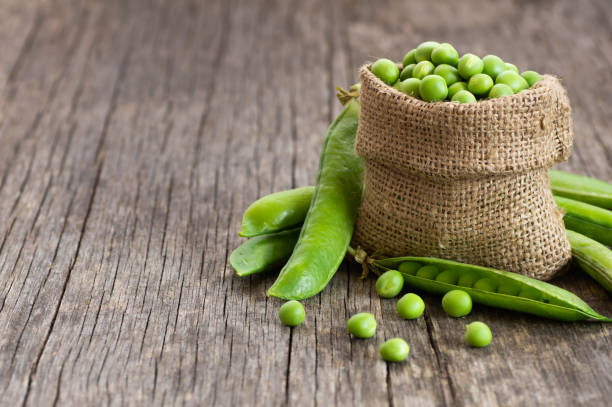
434,72
306,232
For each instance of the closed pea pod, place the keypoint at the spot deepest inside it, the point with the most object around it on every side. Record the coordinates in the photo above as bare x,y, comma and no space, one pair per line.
589,220
581,188
593,257
264,253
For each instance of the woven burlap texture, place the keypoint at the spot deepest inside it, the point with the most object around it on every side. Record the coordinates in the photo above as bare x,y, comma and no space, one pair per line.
466,182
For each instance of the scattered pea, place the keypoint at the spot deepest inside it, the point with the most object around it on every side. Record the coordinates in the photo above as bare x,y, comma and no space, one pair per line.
456,87
422,69
423,51
394,350
410,306
409,58
486,284
493,66
480,84
500,90
531,77
444,54
410,87
469,65
511,79
362,325
464,96
409,267
448,277
389,284
448,73
457,303
429,272
478,334
433,88
511,67
407,72
386,70
292,313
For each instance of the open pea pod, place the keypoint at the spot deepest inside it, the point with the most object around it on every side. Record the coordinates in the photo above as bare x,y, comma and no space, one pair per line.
496,288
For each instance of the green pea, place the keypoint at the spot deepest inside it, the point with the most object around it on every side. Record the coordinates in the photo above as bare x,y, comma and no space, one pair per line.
530,293
410,306
394,350
524,83
422,69
511,79
448,277
449,73
409,58
486,284
444,54
508,288
407,72
386,70
480,84
511,67
464,96
500,90
410,87
469,65
478,334
467,279
531,77
429,272
456,87
423,51
291,313
493,66
409,267
457,303
389,284
362,325
433,88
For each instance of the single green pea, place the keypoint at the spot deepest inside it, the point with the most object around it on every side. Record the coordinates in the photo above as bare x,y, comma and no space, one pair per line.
423,51
511,67
449,73
456,87
500,90
508,288
486,284
469,65
444,54
511,79
410,87
464,96
433,88
394,350
457,303
409,58
386,70
530,293
467,279
410,306
291,313
478,334
493,66
409,267
362,325
429,272
389,284
531,77
524,83
407,72
448,277
480,84
422,69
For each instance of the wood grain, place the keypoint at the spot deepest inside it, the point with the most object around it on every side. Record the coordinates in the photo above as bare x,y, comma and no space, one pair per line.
134,134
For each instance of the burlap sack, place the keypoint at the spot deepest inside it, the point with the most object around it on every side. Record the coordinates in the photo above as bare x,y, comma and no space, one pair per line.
466,182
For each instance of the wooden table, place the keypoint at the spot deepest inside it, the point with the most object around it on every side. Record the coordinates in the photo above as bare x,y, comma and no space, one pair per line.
134,134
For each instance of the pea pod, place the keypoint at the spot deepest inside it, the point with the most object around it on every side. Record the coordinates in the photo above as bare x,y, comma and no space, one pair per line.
589,220
593,257
499,289
581,188
263,253
275,212
328,226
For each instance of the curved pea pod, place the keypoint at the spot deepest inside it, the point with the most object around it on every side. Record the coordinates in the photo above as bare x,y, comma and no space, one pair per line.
581,188
534,296
329,224
593,257
263,253
276,212
589,220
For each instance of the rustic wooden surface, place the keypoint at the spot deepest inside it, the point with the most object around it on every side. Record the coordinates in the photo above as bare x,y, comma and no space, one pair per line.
133,135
